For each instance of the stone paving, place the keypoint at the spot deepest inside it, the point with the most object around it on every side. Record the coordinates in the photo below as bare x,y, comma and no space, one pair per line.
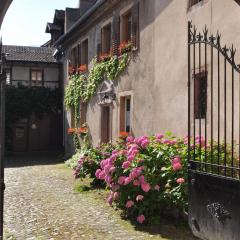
40,204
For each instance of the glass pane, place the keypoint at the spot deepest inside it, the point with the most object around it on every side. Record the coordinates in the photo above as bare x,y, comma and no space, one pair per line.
39,76
128,115
34,76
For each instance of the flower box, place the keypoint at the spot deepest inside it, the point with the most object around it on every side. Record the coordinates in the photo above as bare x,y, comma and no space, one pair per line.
123,135
125,47
83,68
71,130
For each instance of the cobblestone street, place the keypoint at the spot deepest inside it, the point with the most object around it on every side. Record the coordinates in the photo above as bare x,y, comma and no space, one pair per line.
40,203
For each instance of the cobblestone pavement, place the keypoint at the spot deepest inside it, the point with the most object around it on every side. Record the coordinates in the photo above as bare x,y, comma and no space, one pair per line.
40,203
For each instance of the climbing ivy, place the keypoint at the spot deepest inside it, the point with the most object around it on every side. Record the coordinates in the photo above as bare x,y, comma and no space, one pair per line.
82,87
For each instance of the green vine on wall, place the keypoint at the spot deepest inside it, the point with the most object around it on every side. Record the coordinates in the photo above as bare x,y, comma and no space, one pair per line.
82,87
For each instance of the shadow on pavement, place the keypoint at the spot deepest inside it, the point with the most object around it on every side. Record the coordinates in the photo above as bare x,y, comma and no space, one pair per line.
31,159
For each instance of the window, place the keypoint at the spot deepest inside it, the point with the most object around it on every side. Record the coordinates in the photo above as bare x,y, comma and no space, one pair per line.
194,2
126,27
125,114
8,76
36,77
129,27
84,52
200,103
73,60
106,39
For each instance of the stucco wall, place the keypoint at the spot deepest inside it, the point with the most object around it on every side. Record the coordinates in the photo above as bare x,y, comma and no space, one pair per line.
157,74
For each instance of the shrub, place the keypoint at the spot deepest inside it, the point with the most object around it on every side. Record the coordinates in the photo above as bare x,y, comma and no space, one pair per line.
89,161
147,177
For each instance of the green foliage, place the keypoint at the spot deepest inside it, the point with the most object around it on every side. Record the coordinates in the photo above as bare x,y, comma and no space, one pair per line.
82,87
22,102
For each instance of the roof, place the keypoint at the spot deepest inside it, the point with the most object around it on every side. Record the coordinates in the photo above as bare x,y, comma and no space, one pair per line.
59,15
80,21
29,54
52,27
72,15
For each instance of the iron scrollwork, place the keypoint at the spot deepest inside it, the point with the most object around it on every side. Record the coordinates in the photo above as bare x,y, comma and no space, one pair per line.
195,37
219,212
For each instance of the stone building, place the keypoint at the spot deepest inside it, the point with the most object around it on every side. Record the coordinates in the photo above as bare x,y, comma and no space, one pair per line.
151,95
34,67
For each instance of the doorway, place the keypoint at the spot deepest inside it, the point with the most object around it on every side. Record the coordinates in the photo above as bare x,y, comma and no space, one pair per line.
105,125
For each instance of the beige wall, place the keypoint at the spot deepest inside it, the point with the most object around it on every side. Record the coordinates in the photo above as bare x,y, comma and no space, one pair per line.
157,74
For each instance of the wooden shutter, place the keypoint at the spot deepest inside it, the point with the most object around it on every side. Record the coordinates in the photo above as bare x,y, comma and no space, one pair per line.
115,33
135,25
79,55
99,43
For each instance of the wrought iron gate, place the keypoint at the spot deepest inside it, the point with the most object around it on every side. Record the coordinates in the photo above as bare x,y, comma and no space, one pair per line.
213,137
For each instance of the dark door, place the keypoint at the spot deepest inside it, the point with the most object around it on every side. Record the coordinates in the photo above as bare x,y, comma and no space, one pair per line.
105,125
20,137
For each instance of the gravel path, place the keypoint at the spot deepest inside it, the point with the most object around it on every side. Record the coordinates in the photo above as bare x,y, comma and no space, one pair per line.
40,203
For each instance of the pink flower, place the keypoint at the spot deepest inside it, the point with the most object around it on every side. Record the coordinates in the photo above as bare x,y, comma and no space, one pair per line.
166,141
126,165
180,180
112,169
116,196
102,175
130,158
114,152
142,179
129,204
140,218
97,173
130,139
139,198
115,187
145,143
145,187
177,166
159,136
136,183
173,142
108,179
127,180
121,180
156,187
176,160
110,200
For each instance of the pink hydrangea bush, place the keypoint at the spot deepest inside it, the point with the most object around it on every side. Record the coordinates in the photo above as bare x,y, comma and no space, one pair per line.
147,176
89,162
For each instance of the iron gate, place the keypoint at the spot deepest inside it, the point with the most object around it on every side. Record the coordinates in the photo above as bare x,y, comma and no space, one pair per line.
213,137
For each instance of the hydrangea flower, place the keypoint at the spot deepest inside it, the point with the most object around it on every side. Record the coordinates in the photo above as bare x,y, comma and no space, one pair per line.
140,218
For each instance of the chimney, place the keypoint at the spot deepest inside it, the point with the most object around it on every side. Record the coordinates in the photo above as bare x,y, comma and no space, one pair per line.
85,5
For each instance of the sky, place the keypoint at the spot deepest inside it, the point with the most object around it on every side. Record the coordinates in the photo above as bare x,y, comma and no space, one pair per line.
25,21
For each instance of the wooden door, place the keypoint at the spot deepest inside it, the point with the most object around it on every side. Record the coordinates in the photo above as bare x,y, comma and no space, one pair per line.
20,137
105,125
